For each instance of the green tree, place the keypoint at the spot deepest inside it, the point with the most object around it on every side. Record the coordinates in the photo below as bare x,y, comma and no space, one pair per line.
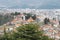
16,13
30,32
46,20
26,32
34,17
28,16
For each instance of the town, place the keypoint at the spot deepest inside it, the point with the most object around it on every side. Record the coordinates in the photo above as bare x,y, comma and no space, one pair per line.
48,19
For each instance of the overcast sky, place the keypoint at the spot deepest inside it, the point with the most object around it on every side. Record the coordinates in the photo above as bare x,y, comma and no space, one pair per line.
38,4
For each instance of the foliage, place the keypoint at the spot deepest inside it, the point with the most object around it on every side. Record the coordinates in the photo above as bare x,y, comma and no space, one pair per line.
26,32
34,17
30,15
46,20
5,18
16,13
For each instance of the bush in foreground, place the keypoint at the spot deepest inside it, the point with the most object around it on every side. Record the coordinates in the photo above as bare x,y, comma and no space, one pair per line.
28,32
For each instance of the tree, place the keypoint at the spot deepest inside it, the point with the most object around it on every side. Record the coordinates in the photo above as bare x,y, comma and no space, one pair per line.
28,16
26,32
30,32
16,13
5,18
34,17
46,20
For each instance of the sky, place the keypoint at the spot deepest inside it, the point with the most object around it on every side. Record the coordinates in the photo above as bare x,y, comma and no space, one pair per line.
33,4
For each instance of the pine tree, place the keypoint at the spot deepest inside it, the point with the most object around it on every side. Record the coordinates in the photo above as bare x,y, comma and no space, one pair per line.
26,32
30,32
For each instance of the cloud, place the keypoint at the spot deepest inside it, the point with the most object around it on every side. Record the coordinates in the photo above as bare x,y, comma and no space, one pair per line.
44,4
